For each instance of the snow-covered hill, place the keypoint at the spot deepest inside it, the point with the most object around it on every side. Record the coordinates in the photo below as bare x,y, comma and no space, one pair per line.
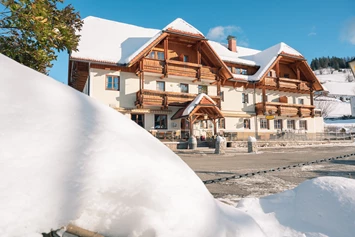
65,158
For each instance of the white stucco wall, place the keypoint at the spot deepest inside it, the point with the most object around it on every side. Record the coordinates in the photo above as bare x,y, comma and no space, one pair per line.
125,98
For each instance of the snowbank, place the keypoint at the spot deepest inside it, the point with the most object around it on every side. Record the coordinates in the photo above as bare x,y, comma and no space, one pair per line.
320,207
66,158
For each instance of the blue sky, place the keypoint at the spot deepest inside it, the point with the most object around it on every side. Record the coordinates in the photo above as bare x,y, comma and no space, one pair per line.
314,27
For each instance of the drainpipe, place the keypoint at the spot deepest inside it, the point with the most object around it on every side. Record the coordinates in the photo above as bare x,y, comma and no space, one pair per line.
89,81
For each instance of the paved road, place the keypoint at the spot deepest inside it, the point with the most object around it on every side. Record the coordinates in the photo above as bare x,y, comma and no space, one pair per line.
210,166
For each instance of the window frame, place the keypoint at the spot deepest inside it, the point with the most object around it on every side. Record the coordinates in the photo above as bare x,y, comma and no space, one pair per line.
246,125
222,123
278,127
245,98
187,86
264,121
200,90
112,83
305,124
154,54
291,122
221,95
137,120
157,83
165,125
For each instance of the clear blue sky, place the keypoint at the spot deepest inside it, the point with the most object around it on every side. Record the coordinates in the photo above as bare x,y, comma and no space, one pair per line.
314,27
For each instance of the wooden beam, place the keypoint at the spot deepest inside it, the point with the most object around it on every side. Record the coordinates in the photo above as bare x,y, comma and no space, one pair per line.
166,44
277,69
264,99
199,52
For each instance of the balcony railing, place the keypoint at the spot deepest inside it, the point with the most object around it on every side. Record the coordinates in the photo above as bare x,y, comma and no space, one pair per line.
284,109
165,99
287,83
179,68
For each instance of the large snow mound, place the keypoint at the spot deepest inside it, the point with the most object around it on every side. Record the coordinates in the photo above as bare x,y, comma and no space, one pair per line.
66,158
323,206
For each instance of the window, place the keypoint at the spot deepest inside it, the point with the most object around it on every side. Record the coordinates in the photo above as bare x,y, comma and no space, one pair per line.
151,54
245,98
160,85
138,118
269,74
222,123
300,101
202,89
278,124
221,94
160,55
290,124
241,71
160,121
264,124
247,123
184,88
286,75
230,68
185,58
156,55
113,83
303,124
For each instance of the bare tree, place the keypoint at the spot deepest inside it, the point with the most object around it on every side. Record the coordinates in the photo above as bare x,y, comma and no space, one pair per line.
326,106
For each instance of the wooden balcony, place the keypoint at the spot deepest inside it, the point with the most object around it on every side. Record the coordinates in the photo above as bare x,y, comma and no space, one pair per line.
284,109
287,84
178,68
165,99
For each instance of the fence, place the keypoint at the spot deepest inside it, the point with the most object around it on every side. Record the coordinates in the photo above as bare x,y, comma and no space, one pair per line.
291,135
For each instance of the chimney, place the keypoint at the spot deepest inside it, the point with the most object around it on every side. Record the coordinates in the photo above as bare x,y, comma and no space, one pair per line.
232,43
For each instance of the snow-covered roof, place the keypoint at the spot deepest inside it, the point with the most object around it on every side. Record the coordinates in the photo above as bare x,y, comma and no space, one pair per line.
114,42
195,102
234,57
266,57
181,25
110,41
340,88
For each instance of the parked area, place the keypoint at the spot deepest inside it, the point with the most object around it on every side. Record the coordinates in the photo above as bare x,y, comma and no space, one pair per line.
208,166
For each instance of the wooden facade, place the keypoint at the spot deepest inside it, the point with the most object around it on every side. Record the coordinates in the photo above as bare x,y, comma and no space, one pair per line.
164,99
284,109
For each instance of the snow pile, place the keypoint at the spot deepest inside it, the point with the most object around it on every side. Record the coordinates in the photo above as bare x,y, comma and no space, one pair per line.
66,158
320,207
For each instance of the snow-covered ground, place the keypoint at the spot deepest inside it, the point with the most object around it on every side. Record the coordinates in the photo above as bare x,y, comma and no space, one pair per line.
66,158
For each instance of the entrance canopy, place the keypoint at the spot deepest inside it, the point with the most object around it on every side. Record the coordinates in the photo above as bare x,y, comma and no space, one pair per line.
201,108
